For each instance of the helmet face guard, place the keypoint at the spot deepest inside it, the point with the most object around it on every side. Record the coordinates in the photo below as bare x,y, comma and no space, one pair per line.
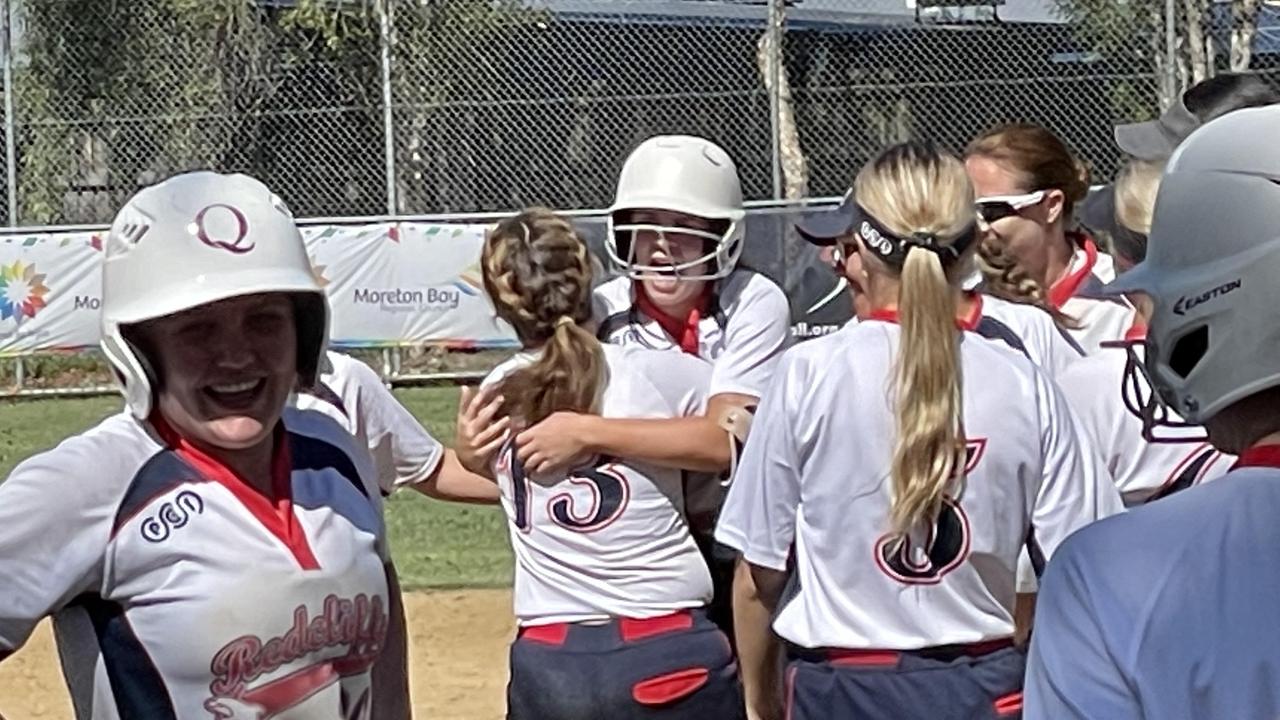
1160,424
1210,272
716,262
688,176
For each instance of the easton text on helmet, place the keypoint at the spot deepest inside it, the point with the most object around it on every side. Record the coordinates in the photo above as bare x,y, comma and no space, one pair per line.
1187,302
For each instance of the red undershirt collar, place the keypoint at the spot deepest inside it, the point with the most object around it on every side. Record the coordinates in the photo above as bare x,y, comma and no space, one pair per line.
1259,456
968,322
275,512
683,330
1067,286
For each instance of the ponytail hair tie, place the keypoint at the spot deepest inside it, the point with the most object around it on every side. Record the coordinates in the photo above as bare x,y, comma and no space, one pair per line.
565,320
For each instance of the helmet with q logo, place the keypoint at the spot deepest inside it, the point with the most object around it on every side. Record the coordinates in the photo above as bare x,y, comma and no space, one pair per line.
195,239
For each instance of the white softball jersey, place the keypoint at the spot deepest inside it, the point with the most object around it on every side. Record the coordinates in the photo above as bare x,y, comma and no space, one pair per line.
1168,611
815,472
182,592
609,540
1025,328
1142,471
1078,294
353,395
743,335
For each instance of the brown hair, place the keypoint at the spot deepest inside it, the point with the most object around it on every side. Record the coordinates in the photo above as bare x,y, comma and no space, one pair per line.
1002,278
537,272
1041,159
917,188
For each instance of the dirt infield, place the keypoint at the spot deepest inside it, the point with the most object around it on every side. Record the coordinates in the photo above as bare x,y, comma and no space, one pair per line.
458,662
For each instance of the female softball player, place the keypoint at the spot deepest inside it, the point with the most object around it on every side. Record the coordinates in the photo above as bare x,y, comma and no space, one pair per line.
676,228
1176,457
216,554
1028,184
1178,622
1006,310
610,586
909,461
1022,326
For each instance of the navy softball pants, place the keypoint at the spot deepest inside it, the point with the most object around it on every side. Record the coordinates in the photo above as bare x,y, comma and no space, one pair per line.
951,683
674,667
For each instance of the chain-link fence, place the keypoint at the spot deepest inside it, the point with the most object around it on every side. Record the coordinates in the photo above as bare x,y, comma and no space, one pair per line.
354,107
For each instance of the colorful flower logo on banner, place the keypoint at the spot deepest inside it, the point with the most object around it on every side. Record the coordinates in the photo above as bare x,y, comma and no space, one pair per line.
22,291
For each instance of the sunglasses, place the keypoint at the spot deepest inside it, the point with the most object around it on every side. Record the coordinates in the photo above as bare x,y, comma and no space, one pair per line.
999,207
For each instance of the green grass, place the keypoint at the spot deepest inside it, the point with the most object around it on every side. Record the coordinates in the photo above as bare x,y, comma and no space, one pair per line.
434,544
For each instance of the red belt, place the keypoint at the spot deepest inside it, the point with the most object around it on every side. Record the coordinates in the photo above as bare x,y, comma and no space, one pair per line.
890,658
630,629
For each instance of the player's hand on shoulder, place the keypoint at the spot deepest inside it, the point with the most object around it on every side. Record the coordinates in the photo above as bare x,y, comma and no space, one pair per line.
481,429
555,445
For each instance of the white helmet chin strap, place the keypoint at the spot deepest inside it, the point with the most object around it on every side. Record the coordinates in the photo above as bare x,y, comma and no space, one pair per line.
721,263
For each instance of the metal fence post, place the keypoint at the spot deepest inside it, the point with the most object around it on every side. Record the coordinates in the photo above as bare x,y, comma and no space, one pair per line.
775,100
1171,51
385,8
10,147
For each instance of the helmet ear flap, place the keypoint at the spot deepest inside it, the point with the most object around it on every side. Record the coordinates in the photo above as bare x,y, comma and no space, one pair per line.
311,322
133,368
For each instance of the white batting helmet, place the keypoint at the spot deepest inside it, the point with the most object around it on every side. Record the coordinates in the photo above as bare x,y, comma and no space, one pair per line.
195,239
684,174
1211,269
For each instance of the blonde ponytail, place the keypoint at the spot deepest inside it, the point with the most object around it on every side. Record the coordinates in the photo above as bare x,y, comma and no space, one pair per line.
930,446
916,190
538,273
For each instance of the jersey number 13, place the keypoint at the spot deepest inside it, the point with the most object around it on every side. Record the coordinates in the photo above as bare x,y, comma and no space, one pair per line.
609,490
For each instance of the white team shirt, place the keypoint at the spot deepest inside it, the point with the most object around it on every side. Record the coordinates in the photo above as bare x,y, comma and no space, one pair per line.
181,592
352,394
743,340
609,541
1078,295
1025,328
1141,470
816,471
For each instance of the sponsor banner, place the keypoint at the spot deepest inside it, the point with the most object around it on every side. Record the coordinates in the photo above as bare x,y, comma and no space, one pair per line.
389,284
50,292
406,284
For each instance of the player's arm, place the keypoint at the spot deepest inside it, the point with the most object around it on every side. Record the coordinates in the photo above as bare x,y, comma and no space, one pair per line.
481,429
41,571
756,591
758,520
700,443
756,333
451,481
1072,673
404,453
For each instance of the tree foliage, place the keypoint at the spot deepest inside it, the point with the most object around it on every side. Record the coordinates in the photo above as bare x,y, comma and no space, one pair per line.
110,96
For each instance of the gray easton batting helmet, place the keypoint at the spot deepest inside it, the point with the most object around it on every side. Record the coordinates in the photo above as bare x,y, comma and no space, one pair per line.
1213,269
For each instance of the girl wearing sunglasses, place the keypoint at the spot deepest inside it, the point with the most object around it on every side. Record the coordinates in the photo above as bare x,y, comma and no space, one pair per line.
1027,184
897,465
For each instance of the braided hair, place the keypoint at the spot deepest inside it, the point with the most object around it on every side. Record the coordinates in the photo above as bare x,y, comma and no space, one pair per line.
537,271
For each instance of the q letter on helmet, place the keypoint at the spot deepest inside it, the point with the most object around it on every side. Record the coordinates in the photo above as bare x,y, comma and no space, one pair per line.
195,239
